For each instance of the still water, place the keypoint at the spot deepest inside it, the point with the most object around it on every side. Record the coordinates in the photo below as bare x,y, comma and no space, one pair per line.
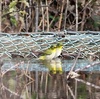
34,79
36,65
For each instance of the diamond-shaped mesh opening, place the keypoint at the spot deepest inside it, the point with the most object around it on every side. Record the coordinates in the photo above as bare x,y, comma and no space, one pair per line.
88,43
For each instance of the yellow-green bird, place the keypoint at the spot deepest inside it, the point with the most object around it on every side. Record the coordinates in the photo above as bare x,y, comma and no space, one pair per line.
49,53
59,48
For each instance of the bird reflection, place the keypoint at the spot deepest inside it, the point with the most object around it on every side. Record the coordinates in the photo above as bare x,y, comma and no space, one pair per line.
54,66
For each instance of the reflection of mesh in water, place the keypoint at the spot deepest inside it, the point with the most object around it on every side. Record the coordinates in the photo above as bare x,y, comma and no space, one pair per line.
36,65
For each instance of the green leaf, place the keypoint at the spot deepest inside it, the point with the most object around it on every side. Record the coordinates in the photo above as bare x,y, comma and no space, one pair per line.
51,17
13,4
11,9
55,19
13,20
33,96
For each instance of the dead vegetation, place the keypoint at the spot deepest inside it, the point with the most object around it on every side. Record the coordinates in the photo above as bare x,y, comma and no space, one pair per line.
50,15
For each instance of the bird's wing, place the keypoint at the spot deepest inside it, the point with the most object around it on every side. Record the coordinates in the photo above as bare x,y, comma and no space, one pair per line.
47,52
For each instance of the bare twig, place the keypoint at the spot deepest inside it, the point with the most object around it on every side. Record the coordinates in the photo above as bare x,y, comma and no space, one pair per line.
76,15
65,15
9,13
60,20
71,92
46,82
31,22
28,83
53,20
12,67
88,66
0,16
30,10
42,17
26,23
87,4
26,73
27,93
75,60
12,92
36,81
88,83
73,64
36,18
42,20
41,81
47,17
83,20
75,89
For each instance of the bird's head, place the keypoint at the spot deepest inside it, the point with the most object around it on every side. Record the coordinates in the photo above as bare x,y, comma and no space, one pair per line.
59,44
53,46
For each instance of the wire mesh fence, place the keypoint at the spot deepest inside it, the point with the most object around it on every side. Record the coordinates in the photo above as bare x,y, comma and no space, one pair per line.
27,43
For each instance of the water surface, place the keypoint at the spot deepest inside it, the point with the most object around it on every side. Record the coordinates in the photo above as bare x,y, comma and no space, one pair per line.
34,79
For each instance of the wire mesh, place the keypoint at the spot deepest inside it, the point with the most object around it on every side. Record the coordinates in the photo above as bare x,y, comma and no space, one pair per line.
27,43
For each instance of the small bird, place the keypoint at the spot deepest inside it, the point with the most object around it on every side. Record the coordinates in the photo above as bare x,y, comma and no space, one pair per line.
59,48
49,53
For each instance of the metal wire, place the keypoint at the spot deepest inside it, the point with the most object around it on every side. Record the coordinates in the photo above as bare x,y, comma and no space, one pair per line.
26,43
